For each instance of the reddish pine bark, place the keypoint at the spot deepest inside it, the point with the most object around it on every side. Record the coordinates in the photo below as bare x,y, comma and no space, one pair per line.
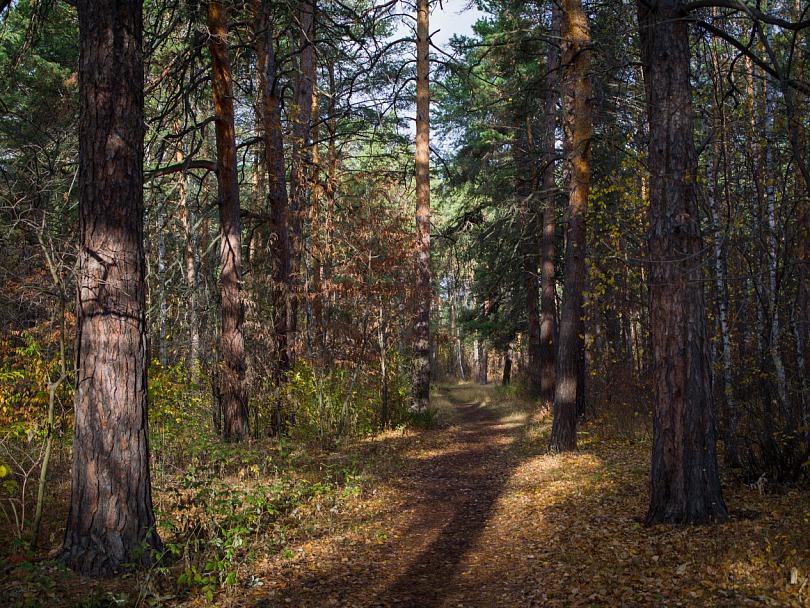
301,149
232,341
529,252
280,244
578,129
548,305
684,480
421,332
111,523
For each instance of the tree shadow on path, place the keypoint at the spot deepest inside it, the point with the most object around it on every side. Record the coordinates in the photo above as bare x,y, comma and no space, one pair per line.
457,493
452,497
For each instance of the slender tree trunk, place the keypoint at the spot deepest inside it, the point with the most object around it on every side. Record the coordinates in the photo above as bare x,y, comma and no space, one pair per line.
476,361
460,354
773,256
684,480
507,365
110,523
531,287
163,340
548,307
280,243
531,239
53,387
191,255
299,172
578,128
801,341
801,329
383,371
232,341
721,288
421,331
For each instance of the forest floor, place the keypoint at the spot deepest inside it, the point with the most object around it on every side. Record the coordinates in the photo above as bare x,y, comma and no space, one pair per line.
476,513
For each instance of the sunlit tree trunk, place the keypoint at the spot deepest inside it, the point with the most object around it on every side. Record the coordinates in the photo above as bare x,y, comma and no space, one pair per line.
381,338
684,480
548,307
110,523
191,258
232,341
421,332
578,128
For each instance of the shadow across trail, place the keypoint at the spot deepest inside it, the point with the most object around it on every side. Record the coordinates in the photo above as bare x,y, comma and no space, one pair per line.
451,494
455,495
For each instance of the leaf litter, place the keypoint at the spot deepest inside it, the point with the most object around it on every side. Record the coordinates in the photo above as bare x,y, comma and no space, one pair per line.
476,513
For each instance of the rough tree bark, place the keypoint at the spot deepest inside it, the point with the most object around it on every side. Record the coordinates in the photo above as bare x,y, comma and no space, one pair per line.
548,308
529,252
421,332
507,365
301,156
191,255
684,480
578,129
232,341
110,523
280,244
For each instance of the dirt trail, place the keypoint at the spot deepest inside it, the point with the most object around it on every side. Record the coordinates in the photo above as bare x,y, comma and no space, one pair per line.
438,550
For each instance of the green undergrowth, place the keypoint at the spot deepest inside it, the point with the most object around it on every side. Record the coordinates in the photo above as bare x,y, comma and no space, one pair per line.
222,509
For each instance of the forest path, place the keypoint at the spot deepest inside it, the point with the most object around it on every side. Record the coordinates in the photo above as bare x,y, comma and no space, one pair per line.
443,534
479,515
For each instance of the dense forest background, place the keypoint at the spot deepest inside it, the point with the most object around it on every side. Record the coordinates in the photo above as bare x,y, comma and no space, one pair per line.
317,196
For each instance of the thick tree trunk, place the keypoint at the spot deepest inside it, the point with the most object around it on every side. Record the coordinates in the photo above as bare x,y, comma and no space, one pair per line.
280,244
684,480
548,308
578,128
232,341
110,523
421,331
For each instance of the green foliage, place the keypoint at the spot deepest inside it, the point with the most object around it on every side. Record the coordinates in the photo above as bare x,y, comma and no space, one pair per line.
324,404
428,419
177,421
215,525
29,361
